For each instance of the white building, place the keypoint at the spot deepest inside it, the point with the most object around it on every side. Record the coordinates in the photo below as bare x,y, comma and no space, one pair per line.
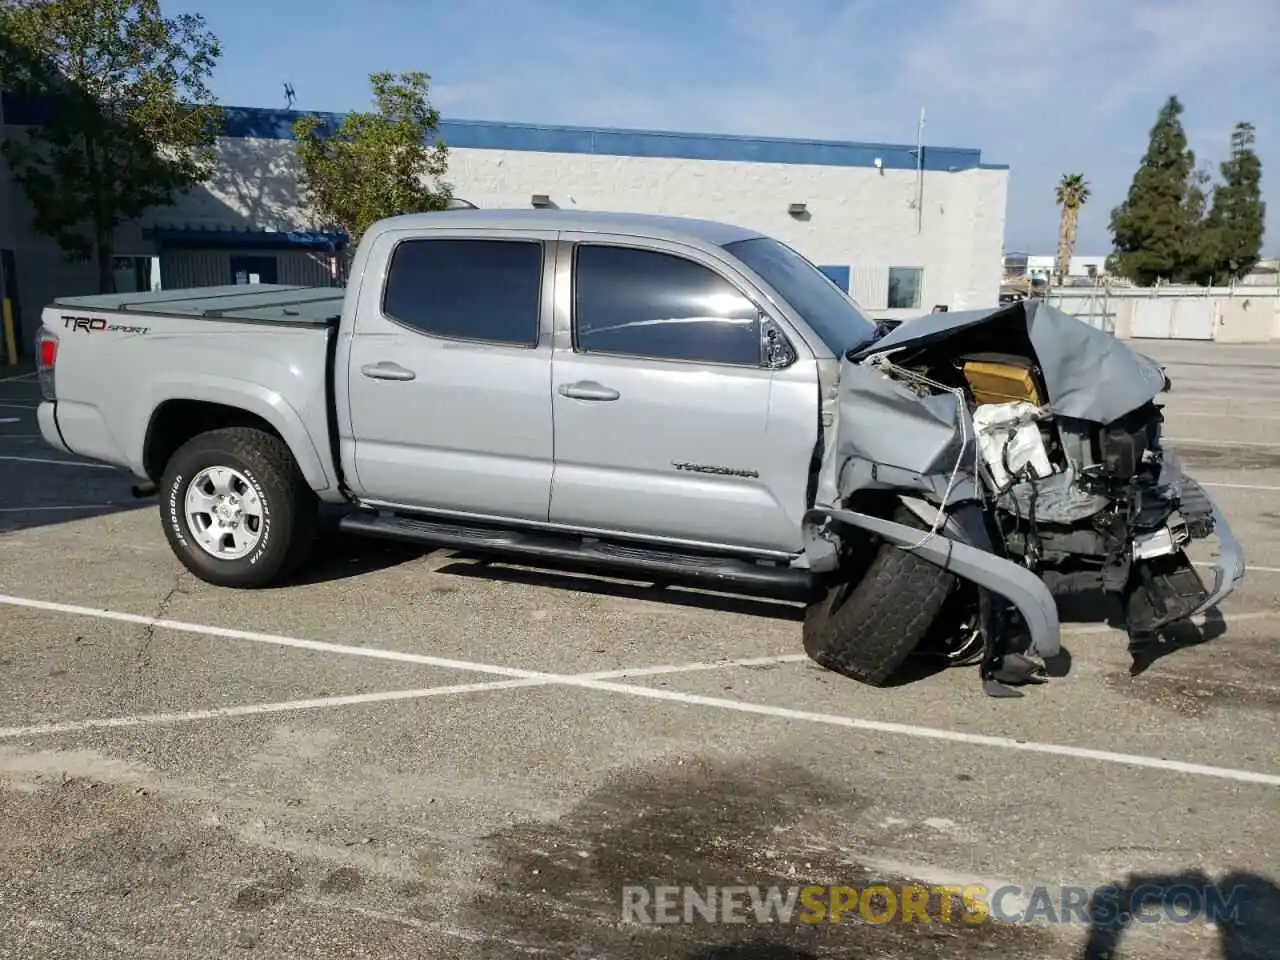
1043,266
901,236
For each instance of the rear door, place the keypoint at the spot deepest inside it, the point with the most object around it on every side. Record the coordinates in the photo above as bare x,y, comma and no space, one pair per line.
450,405
669,422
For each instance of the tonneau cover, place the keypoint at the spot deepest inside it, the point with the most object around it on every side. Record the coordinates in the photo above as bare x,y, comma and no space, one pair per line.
252,303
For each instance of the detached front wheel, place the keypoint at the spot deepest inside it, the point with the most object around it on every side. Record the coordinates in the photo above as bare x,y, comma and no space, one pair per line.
869,622
236,509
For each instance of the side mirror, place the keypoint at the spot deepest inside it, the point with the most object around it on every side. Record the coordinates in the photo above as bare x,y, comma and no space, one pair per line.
776,350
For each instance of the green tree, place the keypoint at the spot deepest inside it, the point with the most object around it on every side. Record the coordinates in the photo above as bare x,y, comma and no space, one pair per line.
1237,220
375,165
1155,230
129,123
1072,194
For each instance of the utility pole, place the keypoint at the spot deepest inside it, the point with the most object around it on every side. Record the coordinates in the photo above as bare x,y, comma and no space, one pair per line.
920,173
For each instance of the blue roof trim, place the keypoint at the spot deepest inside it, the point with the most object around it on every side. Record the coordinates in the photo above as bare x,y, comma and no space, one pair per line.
245,237
271,124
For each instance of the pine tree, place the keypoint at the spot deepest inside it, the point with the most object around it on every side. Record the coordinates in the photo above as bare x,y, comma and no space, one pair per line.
1155,231
1237,220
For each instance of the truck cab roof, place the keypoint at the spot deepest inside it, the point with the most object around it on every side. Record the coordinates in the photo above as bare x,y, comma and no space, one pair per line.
656,226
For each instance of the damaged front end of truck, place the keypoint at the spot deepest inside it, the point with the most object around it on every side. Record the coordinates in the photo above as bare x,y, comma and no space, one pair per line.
1026,446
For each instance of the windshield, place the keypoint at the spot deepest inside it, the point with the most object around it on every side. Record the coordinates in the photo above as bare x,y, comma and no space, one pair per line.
831,313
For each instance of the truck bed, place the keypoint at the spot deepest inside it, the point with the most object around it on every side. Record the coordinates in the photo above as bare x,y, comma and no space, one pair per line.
257,303
129,364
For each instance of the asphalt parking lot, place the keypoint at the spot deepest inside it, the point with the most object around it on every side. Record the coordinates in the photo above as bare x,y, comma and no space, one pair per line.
409,754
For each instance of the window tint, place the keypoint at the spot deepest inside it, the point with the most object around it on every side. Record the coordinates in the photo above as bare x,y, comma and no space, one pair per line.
467,289
650,304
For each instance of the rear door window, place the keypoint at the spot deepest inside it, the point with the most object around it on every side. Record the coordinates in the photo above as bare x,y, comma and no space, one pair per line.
460,289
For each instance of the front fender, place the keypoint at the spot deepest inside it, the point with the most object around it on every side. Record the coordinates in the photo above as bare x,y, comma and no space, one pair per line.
1017,584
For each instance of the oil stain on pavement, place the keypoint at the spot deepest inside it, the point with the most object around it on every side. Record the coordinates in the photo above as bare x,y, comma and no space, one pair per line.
560,887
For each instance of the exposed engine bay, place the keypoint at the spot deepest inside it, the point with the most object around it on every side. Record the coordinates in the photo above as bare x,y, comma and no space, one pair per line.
1048,432
1084,505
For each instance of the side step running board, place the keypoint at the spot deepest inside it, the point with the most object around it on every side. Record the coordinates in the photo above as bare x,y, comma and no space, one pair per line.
717,572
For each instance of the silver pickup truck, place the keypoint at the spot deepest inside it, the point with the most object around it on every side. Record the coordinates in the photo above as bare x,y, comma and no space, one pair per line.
661,398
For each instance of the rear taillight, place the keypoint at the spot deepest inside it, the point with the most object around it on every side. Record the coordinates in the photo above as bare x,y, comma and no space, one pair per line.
47,352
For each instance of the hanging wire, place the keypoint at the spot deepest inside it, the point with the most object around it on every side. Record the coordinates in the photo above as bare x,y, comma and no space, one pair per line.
962,413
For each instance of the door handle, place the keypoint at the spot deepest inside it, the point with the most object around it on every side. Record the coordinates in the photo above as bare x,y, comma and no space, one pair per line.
588,390
386,370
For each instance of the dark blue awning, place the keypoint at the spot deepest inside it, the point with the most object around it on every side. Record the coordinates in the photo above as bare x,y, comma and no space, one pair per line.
245,237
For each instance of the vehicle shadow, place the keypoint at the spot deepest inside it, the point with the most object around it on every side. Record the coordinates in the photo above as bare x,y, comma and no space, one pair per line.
1244,907
753,950
339,556
562,577
1095,606
1176,637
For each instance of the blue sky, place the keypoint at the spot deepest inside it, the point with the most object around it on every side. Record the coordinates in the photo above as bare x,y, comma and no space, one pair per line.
1046,87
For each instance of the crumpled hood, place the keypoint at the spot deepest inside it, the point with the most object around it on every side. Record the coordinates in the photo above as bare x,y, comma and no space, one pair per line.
888,437
1089,373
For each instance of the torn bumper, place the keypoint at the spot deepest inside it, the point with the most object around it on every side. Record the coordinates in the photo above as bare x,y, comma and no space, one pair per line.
1228,569
1026,591
1229,566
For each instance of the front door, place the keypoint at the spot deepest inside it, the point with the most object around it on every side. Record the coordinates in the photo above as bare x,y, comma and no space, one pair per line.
668,423
449,367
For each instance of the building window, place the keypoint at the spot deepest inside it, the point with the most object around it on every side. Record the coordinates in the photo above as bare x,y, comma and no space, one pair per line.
643,303
488,290
838,275
905,285
134,274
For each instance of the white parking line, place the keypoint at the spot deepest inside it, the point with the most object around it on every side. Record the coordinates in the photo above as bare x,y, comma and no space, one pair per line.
10,419
60,507
1070,628
1224,416
19,376
1239,486
18,406
1215,397
672,696
1249,568
60,463
359,699
1224,443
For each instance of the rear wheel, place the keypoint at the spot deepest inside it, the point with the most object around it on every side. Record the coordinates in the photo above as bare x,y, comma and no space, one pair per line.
236,509
866,626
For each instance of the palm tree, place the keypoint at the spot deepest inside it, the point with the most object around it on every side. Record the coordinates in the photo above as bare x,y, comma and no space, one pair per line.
1073,192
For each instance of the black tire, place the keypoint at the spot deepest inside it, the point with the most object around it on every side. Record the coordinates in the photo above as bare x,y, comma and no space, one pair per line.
289,507
866,627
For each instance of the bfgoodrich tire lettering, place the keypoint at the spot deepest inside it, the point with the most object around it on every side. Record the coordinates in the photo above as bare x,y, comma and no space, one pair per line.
867,629
288,507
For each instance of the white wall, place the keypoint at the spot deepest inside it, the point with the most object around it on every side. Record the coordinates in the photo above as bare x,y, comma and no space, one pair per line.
858,217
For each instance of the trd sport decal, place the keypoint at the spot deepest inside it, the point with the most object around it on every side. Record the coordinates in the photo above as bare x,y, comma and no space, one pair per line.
98,325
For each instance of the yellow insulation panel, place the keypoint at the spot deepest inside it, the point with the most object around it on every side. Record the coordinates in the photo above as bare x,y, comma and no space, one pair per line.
995,382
